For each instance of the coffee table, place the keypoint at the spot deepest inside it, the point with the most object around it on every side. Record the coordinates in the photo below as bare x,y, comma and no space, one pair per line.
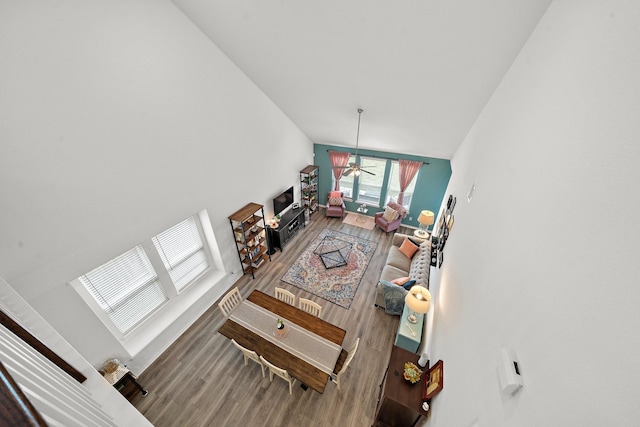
333,252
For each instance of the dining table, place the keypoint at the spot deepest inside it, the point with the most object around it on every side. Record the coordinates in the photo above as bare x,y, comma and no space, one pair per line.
308,347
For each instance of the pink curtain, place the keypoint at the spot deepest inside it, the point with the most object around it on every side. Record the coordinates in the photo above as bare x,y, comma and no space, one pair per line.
408,169
338,160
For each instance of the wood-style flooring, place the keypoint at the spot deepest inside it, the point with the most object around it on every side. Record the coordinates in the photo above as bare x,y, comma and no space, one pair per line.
201,379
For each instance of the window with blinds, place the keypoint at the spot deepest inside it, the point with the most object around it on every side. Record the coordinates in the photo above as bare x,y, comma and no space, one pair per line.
370,186
182,252
126,288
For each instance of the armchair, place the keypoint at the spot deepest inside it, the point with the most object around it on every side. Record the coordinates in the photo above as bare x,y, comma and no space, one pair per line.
390,225
335,210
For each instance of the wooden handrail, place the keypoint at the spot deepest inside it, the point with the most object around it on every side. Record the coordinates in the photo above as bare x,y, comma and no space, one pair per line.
40,347
15,409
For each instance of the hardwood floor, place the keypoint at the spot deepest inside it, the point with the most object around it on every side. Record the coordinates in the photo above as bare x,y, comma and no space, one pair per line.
201,379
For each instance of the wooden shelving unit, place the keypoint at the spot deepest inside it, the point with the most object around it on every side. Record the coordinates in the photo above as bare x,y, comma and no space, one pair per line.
309,188
248,228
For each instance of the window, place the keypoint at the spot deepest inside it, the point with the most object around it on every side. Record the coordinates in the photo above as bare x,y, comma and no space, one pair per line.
370,186
346,182
393,189
182,252
126,288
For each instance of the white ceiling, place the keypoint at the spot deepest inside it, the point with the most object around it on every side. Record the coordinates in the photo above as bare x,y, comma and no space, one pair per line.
422,70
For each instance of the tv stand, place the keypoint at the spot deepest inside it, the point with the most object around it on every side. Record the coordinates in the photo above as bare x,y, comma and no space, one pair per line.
290,223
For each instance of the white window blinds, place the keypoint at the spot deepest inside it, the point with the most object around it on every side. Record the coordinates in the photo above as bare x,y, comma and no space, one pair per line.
126,288
182,252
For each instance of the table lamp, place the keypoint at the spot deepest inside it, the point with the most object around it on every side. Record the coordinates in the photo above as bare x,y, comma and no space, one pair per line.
418,300
425,219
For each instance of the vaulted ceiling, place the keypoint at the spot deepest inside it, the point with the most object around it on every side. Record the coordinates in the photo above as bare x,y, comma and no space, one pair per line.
422,70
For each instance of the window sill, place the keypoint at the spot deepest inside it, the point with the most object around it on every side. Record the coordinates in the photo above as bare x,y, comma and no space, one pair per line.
368,203
165,317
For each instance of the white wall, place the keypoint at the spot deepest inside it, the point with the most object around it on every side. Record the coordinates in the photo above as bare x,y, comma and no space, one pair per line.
117,120
544,259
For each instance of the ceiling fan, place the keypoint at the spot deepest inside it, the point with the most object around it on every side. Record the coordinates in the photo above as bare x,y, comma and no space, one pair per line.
354,167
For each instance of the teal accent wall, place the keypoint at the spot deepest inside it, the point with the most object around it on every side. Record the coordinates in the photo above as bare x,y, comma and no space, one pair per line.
431,183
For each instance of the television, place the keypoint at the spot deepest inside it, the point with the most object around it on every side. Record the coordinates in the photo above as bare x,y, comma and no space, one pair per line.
283,201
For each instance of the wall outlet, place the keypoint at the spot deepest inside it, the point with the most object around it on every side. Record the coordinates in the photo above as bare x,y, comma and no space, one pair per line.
410,218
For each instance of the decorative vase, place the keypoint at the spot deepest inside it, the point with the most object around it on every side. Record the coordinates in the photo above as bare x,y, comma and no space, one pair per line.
412,373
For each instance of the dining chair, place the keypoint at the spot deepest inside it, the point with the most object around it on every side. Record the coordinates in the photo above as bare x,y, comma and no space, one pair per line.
335,377
230,301
249,354
286,296
282,373
310,306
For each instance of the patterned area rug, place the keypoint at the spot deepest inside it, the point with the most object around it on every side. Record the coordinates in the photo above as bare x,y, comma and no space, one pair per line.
361,221
339,284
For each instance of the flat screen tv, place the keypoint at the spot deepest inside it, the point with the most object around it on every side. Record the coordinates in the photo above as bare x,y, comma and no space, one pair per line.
283,201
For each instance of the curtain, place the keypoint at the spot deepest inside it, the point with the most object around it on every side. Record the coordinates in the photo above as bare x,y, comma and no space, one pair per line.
408,169
338,160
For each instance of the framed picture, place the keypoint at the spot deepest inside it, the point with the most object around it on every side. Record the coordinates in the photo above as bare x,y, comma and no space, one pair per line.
433,381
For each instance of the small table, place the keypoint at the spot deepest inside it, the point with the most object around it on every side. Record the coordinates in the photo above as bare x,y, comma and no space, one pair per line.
409,334
421,234
125,382
333,252
400,403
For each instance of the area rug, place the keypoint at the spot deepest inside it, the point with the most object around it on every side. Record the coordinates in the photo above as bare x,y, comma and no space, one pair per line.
361,221
339,284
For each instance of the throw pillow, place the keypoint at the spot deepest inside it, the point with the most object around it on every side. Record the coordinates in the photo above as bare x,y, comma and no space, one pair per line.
408,248
402,211
335,201
393,297
409,284
335,194
389,214
401,280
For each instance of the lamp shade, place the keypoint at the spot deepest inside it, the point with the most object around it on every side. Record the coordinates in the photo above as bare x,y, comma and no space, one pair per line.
426,218
418,299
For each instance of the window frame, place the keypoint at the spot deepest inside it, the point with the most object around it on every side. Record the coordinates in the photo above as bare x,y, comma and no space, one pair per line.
383,164
162,275
202,248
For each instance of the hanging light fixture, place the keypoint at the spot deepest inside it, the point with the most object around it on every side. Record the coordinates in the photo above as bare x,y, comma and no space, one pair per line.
355,167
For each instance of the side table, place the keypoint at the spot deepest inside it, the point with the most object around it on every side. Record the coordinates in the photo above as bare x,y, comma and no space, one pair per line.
409,334
421,234
400,402
125,382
